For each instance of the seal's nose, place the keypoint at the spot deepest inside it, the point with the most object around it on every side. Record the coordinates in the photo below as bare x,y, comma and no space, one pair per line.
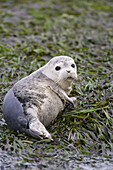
68,71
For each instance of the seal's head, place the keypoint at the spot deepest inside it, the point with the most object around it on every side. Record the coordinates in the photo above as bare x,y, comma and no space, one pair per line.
62,70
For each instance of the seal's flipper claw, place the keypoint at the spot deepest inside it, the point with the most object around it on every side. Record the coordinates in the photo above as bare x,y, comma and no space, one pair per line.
39,135
33,133
50,137
72,103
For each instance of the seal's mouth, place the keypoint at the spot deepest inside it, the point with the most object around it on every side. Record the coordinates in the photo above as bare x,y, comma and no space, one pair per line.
70,78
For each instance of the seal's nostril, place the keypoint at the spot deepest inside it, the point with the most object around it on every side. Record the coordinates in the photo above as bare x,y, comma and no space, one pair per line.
68,71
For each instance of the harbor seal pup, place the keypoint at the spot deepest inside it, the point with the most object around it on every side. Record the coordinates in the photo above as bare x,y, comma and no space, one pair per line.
35,101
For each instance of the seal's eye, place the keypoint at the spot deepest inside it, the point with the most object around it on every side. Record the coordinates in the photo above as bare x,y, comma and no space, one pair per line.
73,65
57,68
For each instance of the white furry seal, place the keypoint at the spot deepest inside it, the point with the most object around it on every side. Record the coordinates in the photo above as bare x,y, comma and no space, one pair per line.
35,101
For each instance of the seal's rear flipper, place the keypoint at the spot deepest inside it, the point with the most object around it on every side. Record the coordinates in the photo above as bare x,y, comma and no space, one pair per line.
13,112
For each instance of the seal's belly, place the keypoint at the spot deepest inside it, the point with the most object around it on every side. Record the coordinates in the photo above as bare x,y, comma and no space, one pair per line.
50,108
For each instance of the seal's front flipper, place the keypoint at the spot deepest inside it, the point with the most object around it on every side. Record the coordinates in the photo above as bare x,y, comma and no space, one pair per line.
74,101
37,129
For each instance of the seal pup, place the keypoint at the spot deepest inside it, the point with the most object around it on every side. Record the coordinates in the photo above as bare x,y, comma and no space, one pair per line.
35,101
